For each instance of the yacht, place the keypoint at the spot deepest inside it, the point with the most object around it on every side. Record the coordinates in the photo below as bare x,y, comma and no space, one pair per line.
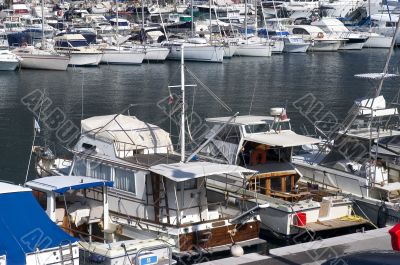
23,220
45,59
196,49
264,144
362,161
76,47
8,60
334,27
318,39
113,54
295,44
254,47
384,24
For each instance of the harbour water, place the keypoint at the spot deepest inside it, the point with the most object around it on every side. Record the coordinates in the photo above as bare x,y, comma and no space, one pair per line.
245,84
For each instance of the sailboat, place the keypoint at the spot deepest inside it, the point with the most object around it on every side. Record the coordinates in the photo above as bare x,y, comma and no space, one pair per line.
41,58
253,48
117,54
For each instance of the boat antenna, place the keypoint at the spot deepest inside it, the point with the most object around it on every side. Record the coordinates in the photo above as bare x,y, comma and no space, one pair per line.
183,103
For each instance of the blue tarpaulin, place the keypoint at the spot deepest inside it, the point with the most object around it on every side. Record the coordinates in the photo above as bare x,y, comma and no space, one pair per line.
25,227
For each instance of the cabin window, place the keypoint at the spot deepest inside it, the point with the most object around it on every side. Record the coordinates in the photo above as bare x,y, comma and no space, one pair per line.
257,128
100,171
390,24
229,134
300,31
124,180
190,184
80,167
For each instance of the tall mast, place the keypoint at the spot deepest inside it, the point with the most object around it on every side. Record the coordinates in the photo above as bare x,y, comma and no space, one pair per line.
191,14
117,31
42,9
210,19
183,104
256,26
245,21
143,14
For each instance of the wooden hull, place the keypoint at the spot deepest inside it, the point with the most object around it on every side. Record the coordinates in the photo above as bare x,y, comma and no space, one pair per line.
219,236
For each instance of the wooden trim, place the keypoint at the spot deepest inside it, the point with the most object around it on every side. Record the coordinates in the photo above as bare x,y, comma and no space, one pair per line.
218,236
268,186
283,184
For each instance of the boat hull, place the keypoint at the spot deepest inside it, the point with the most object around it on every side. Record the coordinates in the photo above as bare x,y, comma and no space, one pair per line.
45,62
116,57
85,59
325,46
254,50
378,42
155,54
213,54
8,65
229,51
296,47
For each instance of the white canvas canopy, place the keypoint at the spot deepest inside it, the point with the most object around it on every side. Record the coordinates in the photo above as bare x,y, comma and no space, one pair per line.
282,139
128,131
179,172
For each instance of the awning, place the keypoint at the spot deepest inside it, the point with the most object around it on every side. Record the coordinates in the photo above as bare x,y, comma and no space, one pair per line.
179,172
61,184
25,227
282,139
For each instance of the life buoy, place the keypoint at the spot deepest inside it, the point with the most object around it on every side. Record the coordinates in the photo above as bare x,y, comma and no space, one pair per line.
59,13
24,45
320,35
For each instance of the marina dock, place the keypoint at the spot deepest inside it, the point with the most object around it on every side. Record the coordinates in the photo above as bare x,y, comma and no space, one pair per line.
316,252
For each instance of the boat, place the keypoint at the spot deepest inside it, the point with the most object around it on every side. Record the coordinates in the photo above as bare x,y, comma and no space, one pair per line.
28,235
196,49
318,39
121,55
46,59
76,47
376,40
85,210
8,60
156,193
334,27
295,44
264,144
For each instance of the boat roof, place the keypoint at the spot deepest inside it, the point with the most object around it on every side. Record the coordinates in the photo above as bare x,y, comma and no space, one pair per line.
62,184
23,220
308,28
70,37
11,188
242,120
179,172
130,131
281,139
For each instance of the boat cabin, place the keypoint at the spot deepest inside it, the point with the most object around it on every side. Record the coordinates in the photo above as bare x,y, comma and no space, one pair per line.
261,143
75,202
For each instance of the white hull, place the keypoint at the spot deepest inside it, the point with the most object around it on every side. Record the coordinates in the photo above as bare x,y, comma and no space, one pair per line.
325,46
352,46
121,57
155,54
253,50
198,53
378,42
85,59
8,65
45,62
278,46
230,50
296,47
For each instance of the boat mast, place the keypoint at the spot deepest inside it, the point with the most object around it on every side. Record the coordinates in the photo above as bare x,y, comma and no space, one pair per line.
143,15
191,14
42,9
117,30
210,19
183,104
245,21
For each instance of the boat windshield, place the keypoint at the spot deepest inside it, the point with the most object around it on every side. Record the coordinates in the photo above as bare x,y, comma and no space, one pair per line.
258,128
78,43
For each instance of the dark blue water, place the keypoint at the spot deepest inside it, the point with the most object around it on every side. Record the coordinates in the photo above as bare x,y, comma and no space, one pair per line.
245,84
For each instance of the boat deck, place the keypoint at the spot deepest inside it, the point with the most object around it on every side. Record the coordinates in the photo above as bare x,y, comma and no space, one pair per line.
333,224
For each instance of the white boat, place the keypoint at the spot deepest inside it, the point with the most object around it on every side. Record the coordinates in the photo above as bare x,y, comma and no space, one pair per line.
78,50
196,49
254,49
264,144
295,44
121,55
334,27
34,58
318,39
8,60
29,237
368,172
151,52
3,260
376,40
84,212
384,24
